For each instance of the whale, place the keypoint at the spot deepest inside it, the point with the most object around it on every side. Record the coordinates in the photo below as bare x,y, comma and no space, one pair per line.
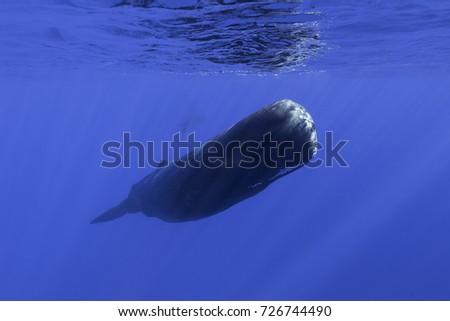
267,145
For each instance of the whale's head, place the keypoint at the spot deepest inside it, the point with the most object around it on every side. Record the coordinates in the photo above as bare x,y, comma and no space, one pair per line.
299,126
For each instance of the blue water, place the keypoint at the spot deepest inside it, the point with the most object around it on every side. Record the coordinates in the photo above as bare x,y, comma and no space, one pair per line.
75,74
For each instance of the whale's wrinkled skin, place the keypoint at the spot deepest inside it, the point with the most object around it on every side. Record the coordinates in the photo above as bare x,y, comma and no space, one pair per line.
176,194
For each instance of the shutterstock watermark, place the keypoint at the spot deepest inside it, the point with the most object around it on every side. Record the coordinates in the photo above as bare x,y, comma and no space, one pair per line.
214,154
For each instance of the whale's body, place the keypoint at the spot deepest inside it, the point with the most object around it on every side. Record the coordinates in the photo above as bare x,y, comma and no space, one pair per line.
184,193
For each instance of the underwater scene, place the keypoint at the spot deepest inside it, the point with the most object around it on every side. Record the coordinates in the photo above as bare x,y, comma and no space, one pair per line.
93,95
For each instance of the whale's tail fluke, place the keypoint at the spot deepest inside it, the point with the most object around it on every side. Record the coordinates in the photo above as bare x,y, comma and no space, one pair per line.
113,213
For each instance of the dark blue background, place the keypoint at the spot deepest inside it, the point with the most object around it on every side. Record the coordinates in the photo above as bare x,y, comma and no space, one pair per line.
378,230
